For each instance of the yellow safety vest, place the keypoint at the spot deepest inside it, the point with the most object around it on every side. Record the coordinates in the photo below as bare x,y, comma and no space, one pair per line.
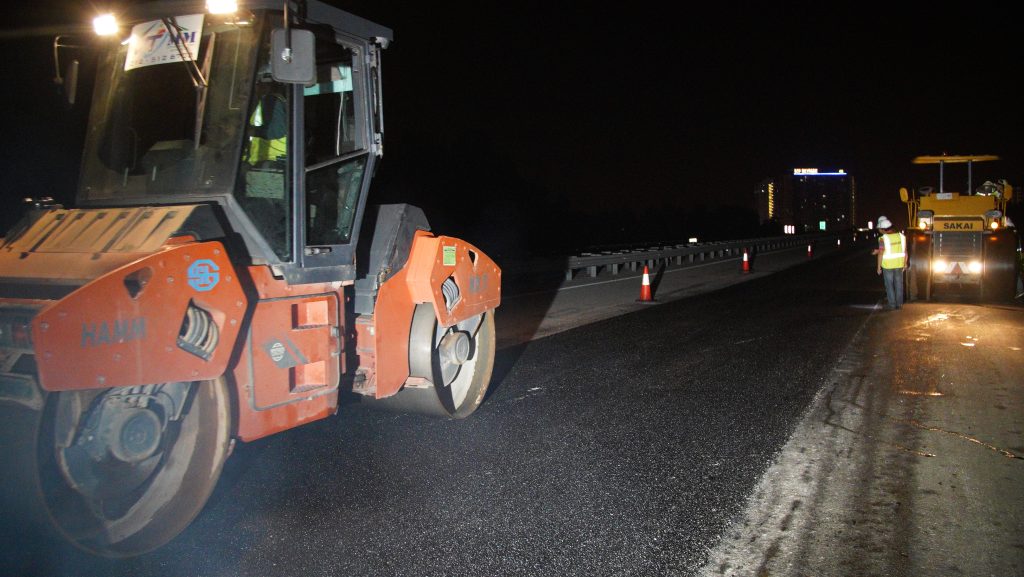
266,147
261,149
895,255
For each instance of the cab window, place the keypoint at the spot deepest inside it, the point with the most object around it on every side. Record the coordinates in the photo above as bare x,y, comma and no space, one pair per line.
335,147
262,188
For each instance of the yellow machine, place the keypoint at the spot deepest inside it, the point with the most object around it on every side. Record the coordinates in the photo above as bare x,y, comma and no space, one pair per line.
961,241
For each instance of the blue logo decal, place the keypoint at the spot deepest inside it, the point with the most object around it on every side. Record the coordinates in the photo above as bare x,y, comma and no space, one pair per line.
203,275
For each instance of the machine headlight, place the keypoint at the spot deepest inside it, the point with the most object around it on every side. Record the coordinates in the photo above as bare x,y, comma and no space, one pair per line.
974,267
221,6
939,265
105,25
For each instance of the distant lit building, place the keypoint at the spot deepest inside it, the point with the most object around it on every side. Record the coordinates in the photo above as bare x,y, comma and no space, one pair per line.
808,200
768,196
822,200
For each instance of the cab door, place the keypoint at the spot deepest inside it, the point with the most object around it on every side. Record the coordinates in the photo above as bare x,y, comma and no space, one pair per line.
339,148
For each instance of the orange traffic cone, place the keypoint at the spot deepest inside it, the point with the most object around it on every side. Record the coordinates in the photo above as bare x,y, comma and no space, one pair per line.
810,251
746,261
645,288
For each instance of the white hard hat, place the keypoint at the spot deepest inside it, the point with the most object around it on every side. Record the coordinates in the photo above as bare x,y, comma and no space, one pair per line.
884,222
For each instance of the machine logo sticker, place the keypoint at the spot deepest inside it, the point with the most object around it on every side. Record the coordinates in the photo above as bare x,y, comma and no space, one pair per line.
203,275
114,332
152,43
277,352
280,354
478,283
959,225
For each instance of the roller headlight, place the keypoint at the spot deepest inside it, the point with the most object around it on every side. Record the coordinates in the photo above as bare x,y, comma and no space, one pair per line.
105,25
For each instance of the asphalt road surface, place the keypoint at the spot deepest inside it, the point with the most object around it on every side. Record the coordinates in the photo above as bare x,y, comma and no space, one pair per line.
625,447
909,462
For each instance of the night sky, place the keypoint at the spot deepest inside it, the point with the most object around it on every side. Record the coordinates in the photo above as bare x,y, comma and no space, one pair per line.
540,126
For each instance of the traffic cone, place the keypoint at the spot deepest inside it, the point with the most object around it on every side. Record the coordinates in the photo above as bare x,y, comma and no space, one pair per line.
810,251
645,288
746,261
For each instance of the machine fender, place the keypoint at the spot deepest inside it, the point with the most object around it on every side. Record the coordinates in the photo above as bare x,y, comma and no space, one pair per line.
173,315
455,277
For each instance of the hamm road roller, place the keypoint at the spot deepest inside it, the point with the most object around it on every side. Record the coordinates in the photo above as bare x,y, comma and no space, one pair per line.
205,287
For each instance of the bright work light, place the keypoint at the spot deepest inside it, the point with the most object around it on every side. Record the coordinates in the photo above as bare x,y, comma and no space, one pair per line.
105,25
221,6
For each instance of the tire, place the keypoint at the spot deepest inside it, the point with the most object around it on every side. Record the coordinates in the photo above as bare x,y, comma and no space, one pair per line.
465,391
919,277
114,508
999,281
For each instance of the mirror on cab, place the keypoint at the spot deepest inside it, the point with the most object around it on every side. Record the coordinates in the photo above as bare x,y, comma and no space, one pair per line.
67,84
70,83
293,59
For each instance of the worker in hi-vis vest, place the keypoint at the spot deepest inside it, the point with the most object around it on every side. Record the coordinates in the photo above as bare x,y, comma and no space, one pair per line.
268,135
892,261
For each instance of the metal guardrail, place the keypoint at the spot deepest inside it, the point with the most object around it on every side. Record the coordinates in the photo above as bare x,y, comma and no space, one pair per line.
679,254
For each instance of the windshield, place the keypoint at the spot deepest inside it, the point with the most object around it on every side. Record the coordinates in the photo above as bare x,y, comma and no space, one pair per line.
168,110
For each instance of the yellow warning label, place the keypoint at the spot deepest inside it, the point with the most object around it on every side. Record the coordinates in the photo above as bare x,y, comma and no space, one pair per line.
448,256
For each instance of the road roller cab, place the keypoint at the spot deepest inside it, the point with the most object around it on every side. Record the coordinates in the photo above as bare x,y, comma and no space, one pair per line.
961,242
208,285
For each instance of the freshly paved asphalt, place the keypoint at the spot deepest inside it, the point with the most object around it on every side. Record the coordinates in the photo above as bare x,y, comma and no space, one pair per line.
623,447
909,462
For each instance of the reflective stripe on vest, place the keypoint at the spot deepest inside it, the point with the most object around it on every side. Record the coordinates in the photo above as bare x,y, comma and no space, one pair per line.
894,255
